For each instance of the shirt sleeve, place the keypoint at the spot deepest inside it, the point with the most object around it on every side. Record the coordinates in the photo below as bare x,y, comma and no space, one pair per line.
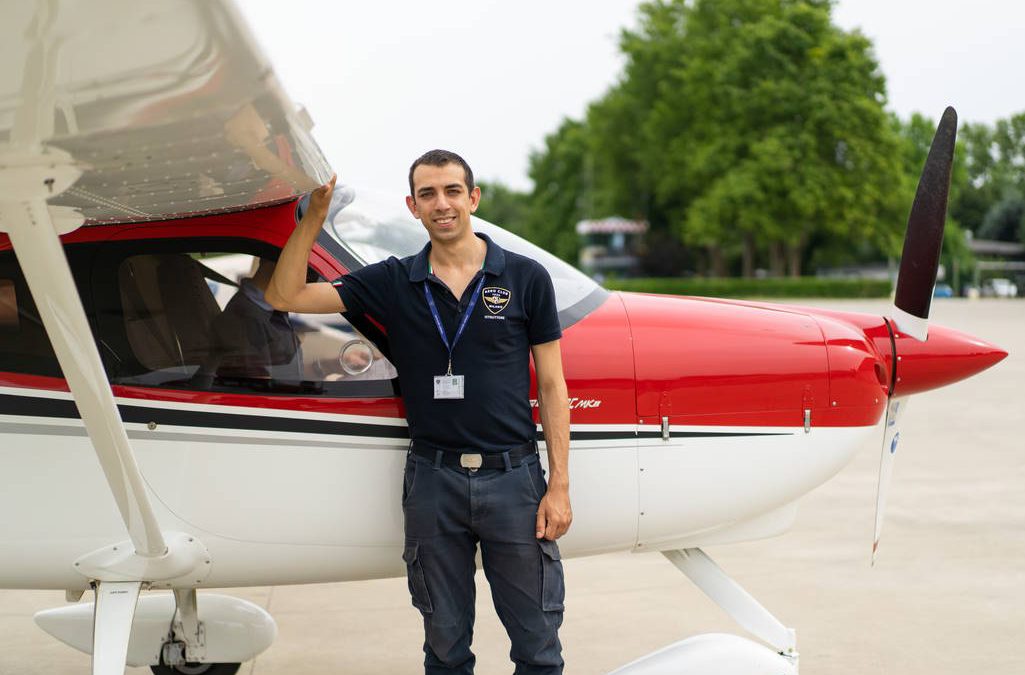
367,291
542,313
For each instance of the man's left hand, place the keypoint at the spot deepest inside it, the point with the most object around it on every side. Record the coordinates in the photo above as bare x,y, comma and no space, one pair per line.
554,514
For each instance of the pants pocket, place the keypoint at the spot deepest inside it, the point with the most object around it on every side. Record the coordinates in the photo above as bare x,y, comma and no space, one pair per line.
553,586
408,478
536,479
415,577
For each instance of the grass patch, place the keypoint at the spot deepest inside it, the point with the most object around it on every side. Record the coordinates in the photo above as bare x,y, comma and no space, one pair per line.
776,287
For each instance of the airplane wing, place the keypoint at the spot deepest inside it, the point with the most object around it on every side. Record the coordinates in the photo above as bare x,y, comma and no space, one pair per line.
119,112
166,108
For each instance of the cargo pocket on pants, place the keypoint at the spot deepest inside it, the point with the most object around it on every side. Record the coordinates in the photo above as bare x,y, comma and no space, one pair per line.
553,587
415,576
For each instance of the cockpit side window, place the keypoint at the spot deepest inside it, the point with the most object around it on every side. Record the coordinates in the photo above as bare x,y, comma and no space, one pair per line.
191,315
24,345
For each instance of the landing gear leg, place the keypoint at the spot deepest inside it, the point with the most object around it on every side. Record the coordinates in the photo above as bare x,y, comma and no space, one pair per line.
112,625
735,601
722,653
182,655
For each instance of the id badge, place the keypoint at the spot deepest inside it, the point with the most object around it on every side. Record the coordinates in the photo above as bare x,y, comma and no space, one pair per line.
448,386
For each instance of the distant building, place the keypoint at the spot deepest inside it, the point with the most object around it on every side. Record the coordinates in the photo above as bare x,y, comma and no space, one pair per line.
609,245
998,265
1001,257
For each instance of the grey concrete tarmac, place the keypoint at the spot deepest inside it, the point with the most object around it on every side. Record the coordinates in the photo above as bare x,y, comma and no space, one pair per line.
946,596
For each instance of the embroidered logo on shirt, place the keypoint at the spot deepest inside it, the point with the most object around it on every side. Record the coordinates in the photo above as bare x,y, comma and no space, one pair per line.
496,299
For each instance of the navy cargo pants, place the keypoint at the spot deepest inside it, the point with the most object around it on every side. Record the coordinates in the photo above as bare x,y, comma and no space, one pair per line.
447,511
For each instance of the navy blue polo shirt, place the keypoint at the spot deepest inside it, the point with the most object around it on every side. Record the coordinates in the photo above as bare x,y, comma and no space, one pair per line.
515,309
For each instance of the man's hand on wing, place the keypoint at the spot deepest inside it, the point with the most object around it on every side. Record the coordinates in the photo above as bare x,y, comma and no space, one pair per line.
554,514
320,201
288,290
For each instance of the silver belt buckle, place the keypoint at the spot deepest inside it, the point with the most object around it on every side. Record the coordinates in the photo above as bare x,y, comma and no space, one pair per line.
471,461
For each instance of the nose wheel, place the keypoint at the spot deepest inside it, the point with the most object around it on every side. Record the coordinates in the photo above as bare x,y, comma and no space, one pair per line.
197,669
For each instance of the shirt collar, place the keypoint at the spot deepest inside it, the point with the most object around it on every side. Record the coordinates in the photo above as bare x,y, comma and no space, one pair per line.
494,260
253,292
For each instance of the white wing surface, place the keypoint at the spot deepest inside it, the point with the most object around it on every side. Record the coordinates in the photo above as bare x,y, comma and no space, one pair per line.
118,112
167,107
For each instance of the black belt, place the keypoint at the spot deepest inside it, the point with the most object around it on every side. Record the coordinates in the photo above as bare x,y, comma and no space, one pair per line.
475,460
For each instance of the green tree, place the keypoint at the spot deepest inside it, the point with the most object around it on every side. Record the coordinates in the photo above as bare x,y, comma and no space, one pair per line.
504,206
774,130
995,165
981,187
916,137
562,190
1005,220
748,130
623,145
1009,138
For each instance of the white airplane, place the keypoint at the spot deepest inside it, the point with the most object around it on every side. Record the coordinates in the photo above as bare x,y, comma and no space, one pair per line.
140,454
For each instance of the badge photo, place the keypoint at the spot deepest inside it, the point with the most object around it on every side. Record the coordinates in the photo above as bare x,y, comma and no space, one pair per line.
496,299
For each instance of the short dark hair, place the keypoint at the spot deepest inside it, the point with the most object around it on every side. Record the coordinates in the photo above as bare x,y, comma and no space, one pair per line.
441,158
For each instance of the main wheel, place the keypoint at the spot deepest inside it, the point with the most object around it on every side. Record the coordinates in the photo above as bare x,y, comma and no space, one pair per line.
197,669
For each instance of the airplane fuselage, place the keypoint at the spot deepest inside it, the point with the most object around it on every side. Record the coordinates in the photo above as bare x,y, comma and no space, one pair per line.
694,422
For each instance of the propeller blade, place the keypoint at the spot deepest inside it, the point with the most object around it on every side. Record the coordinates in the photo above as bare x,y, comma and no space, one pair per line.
891,436
923,240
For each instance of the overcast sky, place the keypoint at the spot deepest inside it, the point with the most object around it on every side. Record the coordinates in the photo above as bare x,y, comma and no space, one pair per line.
387,81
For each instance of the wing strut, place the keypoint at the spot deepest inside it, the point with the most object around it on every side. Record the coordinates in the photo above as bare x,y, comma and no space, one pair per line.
42,261
30,173
119,570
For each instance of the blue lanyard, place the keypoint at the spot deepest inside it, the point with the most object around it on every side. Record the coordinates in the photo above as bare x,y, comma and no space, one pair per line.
462,322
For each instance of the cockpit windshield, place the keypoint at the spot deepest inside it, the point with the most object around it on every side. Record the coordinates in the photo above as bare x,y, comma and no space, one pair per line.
375,226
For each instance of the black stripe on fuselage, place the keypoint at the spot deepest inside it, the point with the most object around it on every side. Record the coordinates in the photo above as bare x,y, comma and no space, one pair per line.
711,434
29,406
624,435
62,408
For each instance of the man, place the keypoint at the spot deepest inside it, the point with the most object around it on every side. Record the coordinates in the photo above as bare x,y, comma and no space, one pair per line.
463,317
253,340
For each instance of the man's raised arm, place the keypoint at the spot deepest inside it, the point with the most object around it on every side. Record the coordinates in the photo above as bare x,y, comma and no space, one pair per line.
288,290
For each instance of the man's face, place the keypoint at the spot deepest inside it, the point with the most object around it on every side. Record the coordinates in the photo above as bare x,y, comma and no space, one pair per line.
442,202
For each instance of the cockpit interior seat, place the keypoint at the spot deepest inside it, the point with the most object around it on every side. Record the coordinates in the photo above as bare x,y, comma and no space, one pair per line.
168,310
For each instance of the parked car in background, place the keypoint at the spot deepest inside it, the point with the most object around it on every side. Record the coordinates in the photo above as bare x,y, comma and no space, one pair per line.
943,291
1000,288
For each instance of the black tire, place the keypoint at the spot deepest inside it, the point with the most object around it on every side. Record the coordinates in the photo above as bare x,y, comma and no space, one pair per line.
197,669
